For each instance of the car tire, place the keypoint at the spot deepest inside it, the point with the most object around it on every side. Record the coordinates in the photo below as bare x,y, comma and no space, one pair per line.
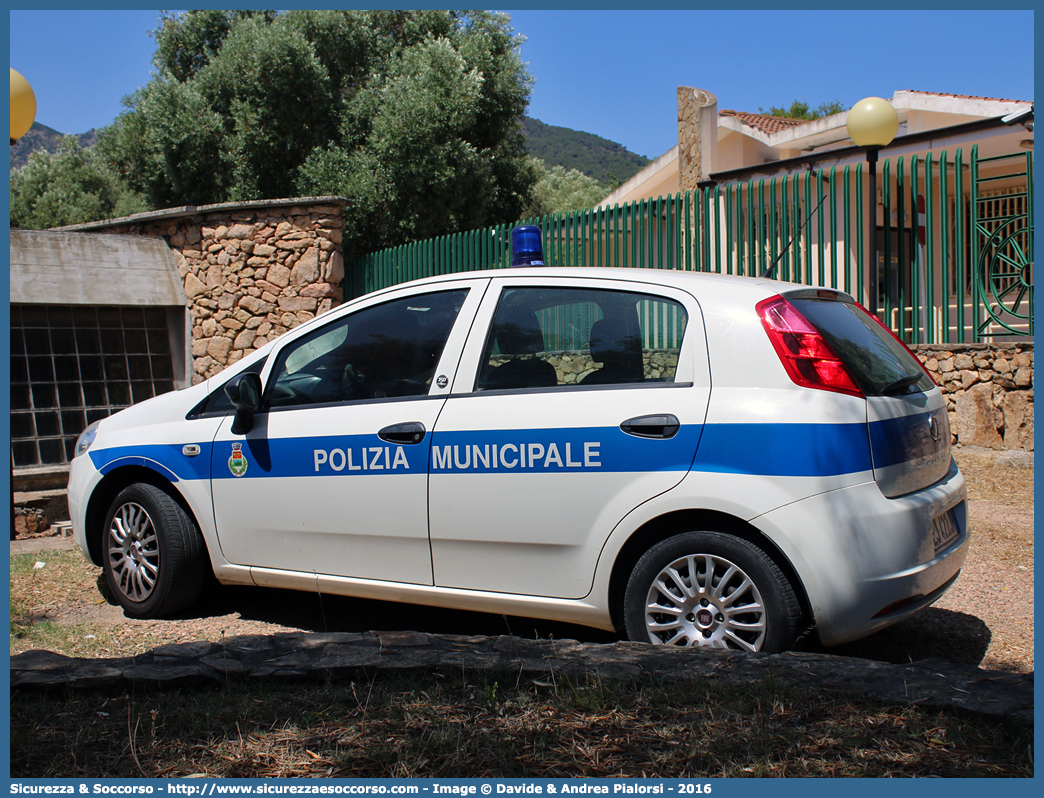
154,555
738,600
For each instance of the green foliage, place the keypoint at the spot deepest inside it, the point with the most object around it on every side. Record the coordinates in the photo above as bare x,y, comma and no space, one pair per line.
604,160
558,189
186,45
800,109
41,137
411,115
69,186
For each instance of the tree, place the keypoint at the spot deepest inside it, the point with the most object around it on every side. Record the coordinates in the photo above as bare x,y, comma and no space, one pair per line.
411,115
69,186
558,190
799,109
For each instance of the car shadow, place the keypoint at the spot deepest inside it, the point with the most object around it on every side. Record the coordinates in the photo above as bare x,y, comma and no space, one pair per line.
311,612
932,634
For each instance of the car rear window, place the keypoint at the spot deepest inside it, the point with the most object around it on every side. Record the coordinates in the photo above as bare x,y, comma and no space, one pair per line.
880,364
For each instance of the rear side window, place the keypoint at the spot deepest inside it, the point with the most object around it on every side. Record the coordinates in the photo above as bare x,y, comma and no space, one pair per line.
552,337
877,361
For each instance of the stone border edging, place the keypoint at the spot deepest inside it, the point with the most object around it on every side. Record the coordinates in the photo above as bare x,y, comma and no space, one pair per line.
932,682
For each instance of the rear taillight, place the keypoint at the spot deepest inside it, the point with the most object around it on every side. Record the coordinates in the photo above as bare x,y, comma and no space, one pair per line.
804,353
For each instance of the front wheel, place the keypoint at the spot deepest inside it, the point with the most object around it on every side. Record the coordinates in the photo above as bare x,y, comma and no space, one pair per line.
154,554
711,589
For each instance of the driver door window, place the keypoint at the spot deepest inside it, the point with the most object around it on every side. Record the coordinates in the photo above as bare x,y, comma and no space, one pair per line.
388,350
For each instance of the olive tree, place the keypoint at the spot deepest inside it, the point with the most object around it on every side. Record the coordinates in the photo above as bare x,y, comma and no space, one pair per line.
413,116
558,189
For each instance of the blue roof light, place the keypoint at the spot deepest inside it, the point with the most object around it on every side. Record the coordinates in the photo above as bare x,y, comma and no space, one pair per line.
526,247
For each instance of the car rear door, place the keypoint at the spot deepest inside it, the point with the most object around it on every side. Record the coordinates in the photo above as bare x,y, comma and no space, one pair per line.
576,400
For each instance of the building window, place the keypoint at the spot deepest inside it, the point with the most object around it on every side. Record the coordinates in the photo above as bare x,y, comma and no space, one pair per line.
72,365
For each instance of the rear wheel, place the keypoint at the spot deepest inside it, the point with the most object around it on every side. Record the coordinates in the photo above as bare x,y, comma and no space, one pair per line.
154,553
711,589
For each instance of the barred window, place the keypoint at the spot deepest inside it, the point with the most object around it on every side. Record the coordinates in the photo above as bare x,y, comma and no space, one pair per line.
72,365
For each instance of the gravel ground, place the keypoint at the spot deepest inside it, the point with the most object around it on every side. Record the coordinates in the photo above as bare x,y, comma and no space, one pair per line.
986,618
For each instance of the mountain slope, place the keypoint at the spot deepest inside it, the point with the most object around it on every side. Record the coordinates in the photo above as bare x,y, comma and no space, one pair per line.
594,156
41,137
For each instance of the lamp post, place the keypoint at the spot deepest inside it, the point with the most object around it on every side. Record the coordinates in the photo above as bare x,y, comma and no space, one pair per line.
23,106
872,123
23,112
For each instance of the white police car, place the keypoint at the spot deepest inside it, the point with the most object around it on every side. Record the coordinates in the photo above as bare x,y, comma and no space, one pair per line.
692,459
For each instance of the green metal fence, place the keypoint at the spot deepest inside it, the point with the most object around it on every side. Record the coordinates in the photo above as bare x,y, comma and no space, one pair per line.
954,241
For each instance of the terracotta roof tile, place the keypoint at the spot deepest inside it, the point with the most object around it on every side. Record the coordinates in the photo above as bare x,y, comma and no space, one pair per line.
764,122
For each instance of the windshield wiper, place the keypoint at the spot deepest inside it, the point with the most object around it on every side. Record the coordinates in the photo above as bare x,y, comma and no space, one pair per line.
901,384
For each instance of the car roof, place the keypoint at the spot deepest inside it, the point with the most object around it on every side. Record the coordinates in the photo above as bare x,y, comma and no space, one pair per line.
685,280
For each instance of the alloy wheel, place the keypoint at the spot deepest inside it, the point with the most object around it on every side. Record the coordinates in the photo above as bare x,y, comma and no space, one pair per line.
134,555
705,600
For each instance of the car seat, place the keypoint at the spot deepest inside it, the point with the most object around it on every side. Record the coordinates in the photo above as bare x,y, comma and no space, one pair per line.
618,349
517,332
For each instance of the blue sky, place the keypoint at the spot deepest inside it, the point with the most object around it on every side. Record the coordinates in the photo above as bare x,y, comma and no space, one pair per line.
613,73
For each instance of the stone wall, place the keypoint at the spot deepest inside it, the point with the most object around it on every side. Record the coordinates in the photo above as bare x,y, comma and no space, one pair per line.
697,135
989,388
572,367
251,271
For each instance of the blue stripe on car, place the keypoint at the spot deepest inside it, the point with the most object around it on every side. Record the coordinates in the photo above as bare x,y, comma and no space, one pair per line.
797,450
898,440
784,450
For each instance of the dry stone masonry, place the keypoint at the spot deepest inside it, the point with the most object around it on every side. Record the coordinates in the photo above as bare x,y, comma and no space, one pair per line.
989,389
251,271
571,367
697,135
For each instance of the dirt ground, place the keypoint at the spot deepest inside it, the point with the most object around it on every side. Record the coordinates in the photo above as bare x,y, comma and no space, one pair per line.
985,619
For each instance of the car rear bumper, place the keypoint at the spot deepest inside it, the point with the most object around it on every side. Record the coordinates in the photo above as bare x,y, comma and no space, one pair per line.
867,561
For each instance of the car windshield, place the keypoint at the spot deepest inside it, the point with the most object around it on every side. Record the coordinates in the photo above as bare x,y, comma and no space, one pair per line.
880,365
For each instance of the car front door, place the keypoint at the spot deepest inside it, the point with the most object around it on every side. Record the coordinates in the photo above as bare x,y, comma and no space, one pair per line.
576,401
332,478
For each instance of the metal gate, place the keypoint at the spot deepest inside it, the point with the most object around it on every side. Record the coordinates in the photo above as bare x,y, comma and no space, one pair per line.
1002,245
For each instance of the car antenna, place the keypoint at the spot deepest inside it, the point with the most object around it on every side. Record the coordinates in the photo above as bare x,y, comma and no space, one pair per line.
772,267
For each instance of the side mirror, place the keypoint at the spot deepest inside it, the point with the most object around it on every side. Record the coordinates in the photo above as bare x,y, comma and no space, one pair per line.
244,392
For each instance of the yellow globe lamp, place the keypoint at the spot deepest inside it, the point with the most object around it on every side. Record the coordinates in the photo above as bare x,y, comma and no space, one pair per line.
872,122
23,106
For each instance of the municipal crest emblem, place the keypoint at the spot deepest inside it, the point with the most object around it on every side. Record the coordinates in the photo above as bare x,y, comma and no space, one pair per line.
237,463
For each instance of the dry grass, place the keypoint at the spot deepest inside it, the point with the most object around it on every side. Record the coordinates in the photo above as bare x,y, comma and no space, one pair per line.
449,725
45,586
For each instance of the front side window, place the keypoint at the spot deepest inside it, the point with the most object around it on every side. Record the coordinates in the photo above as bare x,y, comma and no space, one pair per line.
386,350
548,337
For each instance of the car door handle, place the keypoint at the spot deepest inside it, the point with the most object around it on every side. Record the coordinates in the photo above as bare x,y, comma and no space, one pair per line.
410,432
656,426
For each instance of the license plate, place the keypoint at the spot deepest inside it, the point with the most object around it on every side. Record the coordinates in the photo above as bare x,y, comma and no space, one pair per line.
944,530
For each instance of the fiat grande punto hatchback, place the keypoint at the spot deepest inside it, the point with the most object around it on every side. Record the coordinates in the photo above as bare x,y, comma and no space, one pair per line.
688,459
